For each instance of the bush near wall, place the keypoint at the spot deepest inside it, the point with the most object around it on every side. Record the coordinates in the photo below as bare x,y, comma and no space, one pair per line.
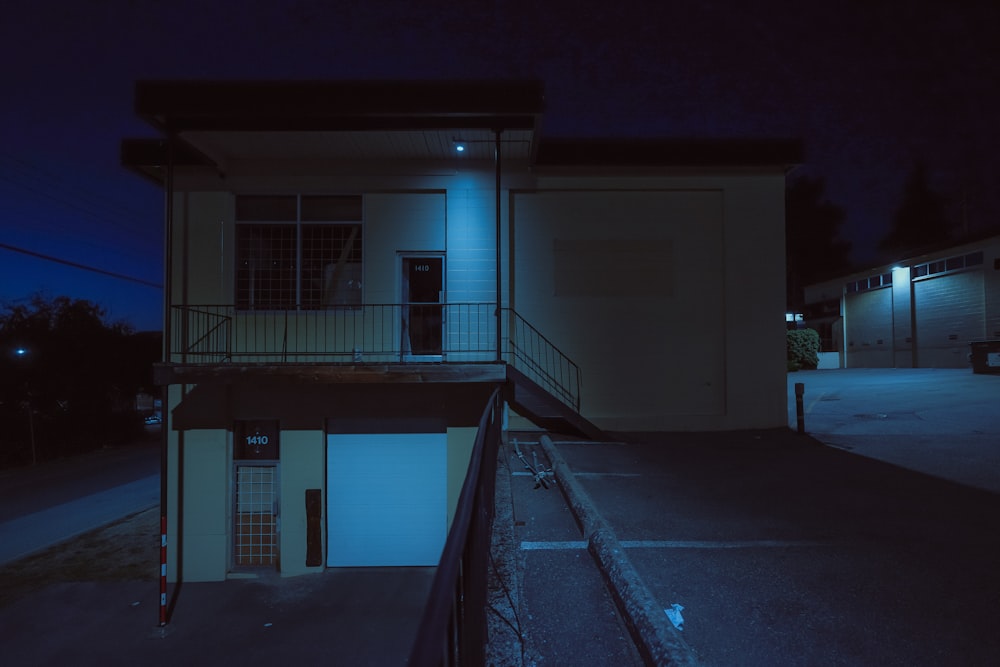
803,349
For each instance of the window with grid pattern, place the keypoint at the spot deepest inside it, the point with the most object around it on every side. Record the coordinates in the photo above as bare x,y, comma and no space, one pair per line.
298,251
255,541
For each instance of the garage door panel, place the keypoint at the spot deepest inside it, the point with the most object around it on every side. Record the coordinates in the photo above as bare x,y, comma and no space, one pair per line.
869,329
950,313
386,499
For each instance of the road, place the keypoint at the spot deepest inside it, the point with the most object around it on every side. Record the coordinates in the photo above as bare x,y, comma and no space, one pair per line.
54,501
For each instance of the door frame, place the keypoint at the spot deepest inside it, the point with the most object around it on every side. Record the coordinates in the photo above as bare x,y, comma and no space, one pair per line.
405,353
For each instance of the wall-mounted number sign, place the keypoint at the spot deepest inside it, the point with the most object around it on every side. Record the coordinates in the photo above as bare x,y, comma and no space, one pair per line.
422,268
256,440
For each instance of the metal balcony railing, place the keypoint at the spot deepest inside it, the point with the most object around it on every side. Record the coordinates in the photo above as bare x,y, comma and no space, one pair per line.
371,334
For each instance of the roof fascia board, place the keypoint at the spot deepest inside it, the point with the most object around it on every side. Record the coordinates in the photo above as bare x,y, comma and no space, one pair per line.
308,123
317,105
658,153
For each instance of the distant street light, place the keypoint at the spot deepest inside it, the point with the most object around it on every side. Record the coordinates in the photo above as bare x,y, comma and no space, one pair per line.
21,353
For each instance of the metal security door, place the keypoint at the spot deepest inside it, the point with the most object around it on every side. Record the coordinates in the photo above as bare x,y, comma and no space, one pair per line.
255,533
422,293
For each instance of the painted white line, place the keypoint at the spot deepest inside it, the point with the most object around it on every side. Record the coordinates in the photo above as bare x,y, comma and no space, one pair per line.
551,546
675,544
607,474
521,473
589,442
707,544
809,408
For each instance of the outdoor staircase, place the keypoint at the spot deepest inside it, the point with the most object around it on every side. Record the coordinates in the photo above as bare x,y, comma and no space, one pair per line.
536,404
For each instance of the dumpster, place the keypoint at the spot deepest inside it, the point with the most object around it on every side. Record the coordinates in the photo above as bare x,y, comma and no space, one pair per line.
985,356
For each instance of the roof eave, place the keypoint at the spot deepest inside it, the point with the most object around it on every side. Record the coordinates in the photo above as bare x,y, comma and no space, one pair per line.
660,152
180,106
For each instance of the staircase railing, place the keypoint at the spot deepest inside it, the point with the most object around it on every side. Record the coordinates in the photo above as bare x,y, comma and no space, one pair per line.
538,358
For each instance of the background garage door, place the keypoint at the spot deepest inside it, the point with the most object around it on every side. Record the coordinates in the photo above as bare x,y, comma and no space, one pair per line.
386,499
950,312
869,329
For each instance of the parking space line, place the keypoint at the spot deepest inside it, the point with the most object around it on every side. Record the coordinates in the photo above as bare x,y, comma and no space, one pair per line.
675,544
715,544
607,474
552,546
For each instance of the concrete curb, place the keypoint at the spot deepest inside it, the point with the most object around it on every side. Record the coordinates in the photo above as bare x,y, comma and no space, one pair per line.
658,641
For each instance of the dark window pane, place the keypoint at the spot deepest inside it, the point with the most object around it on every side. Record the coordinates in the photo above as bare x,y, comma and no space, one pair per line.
974,259
331,265
265,266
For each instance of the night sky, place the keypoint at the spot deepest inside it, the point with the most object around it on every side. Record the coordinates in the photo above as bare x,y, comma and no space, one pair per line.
868,88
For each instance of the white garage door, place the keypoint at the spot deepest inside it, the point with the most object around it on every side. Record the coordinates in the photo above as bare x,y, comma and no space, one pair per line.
386,499
951,311
869,329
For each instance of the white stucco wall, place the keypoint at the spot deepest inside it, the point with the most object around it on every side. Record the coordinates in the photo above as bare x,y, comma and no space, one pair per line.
301,468
205,509
703,348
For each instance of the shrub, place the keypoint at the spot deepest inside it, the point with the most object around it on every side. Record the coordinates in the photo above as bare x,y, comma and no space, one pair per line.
803,348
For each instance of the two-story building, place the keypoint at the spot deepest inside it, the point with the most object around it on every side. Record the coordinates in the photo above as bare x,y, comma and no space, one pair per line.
352,268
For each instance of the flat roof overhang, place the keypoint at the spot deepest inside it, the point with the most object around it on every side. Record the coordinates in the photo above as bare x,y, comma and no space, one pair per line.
216,122
667,152
182,106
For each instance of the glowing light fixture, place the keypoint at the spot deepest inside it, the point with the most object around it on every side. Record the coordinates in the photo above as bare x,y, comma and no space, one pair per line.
459,145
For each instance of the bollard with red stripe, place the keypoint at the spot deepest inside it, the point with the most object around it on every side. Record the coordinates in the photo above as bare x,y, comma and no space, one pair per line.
163,571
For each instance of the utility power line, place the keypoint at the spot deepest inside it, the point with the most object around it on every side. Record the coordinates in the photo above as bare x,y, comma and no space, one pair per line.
57,260
50,188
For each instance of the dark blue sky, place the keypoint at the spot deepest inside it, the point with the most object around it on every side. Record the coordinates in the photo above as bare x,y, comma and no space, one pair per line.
870,87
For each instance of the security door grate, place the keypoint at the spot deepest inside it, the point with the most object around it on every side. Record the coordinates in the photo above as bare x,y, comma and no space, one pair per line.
255,541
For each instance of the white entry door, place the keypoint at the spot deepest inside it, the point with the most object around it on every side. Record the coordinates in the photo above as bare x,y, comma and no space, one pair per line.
386,499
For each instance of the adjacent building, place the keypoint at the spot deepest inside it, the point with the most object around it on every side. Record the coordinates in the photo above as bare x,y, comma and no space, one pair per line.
353,268
922,312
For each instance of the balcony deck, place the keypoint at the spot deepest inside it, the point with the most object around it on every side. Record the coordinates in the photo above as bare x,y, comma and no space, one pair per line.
212,345
195,373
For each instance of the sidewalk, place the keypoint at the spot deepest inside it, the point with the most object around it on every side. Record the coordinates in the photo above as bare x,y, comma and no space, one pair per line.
22,536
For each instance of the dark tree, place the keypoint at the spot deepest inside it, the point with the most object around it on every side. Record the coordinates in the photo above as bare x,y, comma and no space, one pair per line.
68,378
920,222
813,247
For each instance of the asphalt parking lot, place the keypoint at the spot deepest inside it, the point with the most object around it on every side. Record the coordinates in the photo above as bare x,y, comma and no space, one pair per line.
871,542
